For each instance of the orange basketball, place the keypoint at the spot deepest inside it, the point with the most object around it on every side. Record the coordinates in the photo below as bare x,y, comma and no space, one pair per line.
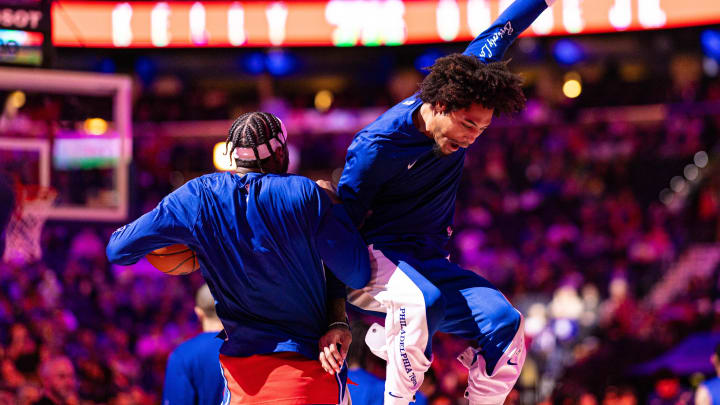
175,260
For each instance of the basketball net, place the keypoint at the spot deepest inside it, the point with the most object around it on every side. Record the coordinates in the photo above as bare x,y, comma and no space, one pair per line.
22,236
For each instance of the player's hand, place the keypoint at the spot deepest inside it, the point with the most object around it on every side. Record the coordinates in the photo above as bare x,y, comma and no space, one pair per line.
333,347
330,190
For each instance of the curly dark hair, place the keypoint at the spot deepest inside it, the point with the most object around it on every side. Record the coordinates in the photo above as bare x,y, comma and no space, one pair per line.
457,81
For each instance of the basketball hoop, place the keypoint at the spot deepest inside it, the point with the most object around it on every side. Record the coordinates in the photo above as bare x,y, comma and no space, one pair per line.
22,237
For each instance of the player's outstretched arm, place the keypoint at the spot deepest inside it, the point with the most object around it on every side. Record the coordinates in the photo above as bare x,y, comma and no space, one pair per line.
368,166
170,222
492,43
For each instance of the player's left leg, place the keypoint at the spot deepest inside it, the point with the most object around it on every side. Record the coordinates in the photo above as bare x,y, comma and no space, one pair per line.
476,310
413,310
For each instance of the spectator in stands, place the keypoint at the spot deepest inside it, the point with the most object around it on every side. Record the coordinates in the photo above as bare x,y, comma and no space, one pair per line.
27,394
708,393
58,379
193,374
572,394
619,396
668,390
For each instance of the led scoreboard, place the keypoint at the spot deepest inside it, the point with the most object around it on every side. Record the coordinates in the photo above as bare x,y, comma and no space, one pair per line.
24,32
345,22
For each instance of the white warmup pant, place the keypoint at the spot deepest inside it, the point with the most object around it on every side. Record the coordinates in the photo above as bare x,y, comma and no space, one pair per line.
420,297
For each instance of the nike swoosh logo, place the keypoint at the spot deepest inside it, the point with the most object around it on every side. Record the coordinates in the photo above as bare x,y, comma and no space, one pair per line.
393,395
411,165
511,363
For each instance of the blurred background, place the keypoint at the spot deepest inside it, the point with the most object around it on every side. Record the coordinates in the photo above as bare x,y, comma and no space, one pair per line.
595,211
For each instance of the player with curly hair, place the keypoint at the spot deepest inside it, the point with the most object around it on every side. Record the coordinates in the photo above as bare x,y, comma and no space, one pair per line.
399,183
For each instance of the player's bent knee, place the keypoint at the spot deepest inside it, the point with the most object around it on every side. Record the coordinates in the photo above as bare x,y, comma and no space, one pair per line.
511,319
505,320
514,351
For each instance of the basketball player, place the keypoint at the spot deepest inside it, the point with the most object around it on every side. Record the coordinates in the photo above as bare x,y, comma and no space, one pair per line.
370,388
708,393
261,237
193,374
399,183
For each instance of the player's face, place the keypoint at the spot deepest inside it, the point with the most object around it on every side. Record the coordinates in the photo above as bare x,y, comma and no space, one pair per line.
460,128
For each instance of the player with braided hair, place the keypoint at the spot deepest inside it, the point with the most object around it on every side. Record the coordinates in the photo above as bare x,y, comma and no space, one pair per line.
399,183
262,237
254,138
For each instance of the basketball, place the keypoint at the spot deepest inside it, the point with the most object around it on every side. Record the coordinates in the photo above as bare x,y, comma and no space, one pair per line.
176,260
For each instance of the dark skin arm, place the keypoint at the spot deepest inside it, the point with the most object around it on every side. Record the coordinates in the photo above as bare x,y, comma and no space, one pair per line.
336,341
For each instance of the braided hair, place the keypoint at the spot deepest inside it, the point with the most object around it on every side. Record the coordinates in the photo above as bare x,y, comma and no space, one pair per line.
258,135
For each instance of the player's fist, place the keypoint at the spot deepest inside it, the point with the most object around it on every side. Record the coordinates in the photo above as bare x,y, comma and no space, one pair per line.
333,346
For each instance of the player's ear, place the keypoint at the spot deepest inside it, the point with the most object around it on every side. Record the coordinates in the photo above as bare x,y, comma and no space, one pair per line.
281,153
280,160
200,314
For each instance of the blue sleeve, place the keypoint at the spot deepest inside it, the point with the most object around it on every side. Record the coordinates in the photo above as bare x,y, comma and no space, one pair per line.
340,245
170,222
178,389
492,43
364,173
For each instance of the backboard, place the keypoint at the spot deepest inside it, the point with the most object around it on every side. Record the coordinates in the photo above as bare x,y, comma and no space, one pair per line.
73,132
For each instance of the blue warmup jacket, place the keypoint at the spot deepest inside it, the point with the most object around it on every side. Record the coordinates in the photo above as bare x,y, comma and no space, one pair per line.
193,375
369,389
390,168
713,387
261,241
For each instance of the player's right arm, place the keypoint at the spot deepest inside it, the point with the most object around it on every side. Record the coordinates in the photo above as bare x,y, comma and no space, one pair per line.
339,243
170,222
335,342
492,43
367,168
